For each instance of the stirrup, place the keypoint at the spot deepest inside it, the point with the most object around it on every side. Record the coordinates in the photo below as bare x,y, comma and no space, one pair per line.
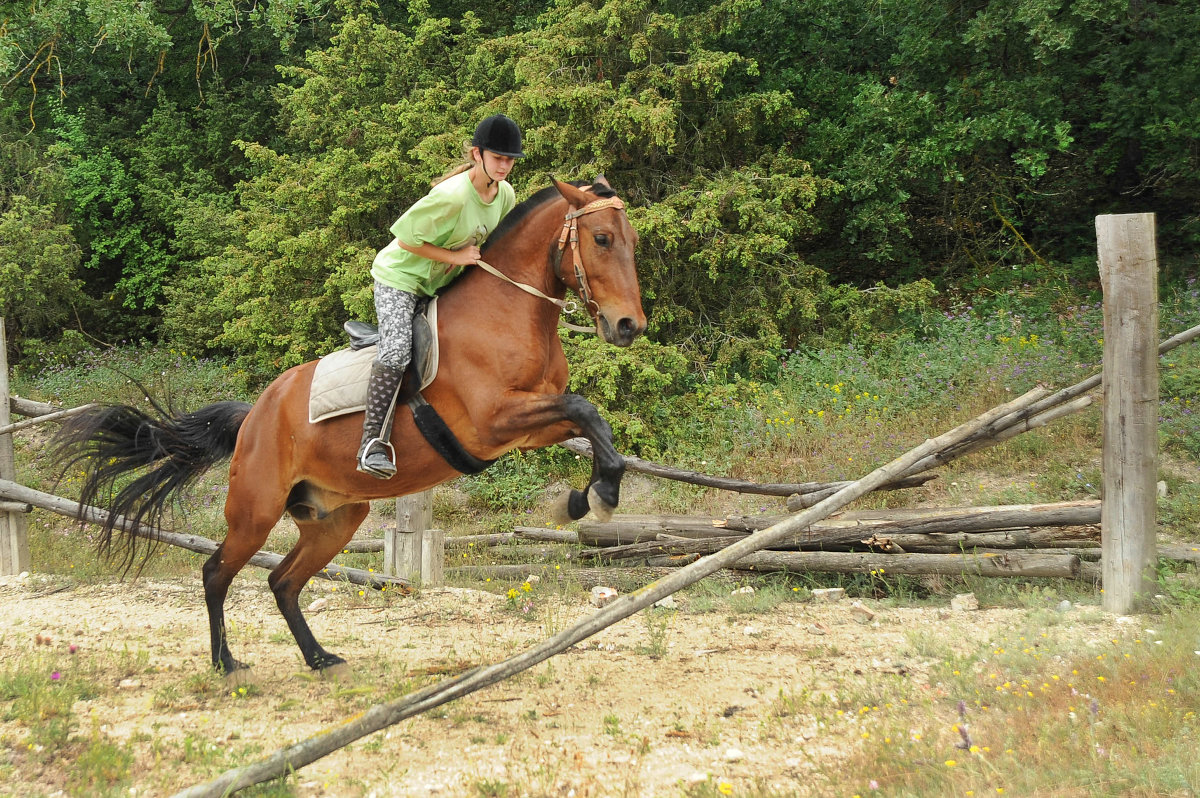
377,463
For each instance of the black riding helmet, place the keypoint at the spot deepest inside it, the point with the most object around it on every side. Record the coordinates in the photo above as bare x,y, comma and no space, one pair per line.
500,135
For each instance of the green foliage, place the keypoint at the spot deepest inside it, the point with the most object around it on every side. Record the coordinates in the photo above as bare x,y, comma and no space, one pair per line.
799,175
38,260
128,258
516,481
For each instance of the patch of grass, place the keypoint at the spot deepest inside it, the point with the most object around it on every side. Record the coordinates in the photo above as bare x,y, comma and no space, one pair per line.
1037,715
658,627
39,691
102,767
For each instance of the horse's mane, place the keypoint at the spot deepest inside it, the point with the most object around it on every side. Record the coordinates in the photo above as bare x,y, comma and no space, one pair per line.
523,209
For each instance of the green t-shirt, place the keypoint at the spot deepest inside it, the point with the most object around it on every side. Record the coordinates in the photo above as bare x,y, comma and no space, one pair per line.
450,216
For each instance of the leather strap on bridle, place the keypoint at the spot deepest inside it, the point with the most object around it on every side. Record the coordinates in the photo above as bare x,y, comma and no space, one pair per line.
569,236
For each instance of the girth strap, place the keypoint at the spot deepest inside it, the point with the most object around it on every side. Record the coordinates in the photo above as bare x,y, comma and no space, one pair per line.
438,434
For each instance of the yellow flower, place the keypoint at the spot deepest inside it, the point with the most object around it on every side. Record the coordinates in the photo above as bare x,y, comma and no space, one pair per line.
725,788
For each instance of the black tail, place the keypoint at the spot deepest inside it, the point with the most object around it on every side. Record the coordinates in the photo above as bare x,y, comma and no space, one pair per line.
112,441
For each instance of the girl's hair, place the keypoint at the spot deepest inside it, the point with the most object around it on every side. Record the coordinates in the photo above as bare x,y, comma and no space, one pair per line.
466,163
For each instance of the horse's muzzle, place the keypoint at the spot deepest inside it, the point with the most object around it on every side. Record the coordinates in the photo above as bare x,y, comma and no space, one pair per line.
623,332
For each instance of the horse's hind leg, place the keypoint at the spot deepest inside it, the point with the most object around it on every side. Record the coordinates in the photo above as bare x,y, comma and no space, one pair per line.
320,540
249,521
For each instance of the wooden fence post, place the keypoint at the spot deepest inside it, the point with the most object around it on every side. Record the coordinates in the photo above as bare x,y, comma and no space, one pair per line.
14,538
412,550
1129,278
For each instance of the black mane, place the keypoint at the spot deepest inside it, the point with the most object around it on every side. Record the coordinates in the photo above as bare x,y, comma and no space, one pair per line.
543,196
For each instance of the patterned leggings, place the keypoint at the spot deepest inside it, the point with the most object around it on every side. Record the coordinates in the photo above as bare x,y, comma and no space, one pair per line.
395,311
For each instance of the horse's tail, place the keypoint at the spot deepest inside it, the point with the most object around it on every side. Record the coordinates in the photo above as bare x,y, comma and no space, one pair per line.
172,450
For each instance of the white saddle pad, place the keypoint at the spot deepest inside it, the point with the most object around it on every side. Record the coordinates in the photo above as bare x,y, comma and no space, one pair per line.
339,383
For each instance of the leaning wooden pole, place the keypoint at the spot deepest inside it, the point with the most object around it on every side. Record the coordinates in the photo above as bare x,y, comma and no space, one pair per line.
13,491
381,716
1129,277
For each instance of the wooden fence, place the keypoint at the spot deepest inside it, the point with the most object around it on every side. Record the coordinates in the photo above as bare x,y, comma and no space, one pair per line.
413,550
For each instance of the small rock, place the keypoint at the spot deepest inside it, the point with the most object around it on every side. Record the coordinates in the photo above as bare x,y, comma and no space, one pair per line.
862,613
964,602
829,594
1162,489
733,755
318,605
1126,619
129,684
816,629
1064,606
602,595
743,591
750,631
533,579
666,603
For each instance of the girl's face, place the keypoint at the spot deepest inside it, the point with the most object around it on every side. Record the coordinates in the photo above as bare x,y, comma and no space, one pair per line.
497,166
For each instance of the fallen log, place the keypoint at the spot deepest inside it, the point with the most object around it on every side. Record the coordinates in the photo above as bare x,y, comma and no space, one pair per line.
1179,552
587,578
846,528
366,545
56,504
581,446
30,408
924,543
1025,538
1012,563
548,535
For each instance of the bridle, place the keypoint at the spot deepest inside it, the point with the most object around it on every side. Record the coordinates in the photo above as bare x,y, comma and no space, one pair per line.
568,237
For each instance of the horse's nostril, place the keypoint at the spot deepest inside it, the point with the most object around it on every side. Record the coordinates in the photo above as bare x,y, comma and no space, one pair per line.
626,327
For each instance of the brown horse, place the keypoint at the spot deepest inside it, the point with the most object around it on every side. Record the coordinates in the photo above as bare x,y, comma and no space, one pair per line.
499,387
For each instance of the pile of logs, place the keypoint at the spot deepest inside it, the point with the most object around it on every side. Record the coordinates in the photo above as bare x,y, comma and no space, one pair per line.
1042,540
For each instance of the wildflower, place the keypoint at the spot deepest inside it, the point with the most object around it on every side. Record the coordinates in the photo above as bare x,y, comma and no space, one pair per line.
55,676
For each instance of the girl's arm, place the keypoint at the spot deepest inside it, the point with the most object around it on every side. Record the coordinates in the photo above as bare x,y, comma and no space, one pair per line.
466,256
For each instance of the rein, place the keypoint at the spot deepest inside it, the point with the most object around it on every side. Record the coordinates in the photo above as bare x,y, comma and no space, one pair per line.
569,236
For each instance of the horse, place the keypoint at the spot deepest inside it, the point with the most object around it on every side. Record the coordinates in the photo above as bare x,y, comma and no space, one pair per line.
499,387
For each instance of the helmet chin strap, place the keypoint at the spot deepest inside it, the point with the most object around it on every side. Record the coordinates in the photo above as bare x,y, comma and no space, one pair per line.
483,165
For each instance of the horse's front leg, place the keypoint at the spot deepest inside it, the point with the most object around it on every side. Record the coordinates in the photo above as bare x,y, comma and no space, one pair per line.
554,418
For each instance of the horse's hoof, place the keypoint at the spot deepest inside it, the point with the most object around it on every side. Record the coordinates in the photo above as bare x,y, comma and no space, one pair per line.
600,508
241,676
339,671
559,513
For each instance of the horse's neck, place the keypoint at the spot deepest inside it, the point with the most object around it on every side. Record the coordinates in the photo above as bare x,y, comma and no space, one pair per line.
523,255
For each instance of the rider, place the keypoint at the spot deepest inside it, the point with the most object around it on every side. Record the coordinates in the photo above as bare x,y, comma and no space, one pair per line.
435,239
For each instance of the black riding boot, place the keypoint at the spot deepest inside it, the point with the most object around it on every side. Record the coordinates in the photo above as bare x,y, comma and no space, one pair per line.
375,453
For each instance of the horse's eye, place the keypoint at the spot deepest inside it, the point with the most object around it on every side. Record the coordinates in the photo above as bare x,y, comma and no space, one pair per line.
601,239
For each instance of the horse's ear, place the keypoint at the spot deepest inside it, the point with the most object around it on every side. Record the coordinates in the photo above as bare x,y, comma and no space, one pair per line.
601,180
576,196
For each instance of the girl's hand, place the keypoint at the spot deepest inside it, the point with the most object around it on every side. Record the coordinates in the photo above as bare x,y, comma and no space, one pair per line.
466,256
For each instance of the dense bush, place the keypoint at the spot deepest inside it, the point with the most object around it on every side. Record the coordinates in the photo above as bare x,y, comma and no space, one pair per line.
217,177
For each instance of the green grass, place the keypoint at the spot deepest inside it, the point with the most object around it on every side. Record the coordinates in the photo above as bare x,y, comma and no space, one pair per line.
1027,713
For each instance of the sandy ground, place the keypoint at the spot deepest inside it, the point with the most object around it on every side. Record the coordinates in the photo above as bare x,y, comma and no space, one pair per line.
735,698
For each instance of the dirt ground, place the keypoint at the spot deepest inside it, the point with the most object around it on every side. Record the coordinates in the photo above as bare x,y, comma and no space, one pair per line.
734,699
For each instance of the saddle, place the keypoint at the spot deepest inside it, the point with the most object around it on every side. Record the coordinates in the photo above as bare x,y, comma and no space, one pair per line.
339,384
